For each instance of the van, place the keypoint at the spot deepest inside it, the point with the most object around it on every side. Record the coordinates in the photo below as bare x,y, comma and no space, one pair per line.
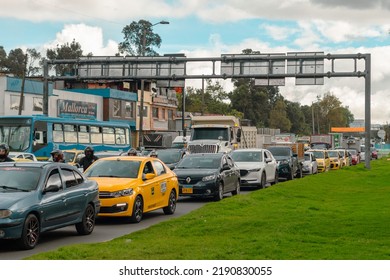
180,142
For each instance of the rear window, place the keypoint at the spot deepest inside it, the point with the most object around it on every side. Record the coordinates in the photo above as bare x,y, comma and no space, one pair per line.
19,178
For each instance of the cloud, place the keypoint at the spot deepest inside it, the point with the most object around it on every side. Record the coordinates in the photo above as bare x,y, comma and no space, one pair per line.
89,37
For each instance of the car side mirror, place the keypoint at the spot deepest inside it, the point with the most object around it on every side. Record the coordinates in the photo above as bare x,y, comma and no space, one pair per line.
267,160
148,176
225,167
51,188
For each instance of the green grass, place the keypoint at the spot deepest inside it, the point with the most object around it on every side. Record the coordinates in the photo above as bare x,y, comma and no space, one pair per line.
339,215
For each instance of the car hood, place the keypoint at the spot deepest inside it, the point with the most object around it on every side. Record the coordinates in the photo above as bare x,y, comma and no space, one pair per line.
249,165
9,198
193,172
114,184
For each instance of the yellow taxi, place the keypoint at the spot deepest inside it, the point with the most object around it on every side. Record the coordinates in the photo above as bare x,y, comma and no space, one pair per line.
323,160
344,157
336,161
130,186
73,156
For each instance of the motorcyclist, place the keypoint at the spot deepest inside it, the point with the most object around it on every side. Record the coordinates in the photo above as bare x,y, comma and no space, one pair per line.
4,151
153,154
132,152
88,159
57,156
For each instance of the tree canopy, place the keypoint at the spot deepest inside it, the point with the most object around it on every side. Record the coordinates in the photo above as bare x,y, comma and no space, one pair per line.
139,39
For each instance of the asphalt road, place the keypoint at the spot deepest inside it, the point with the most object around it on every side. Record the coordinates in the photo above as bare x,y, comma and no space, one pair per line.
105,230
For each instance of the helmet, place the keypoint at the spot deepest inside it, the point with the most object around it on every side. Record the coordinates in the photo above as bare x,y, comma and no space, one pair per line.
57,155
5,148
153,154
89,149
132,152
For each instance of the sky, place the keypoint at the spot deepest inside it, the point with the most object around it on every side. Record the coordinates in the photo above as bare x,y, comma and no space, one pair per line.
209,28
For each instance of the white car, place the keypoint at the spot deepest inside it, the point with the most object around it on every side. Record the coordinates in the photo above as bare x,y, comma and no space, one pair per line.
309,165
20,156
257,167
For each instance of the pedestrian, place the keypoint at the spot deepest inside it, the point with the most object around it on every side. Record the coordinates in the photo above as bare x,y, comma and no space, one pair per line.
4,151
57,156
88,159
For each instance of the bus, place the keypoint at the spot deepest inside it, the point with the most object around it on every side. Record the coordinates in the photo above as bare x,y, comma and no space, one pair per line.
40,134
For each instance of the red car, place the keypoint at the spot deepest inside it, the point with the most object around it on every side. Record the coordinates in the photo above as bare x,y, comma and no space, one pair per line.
354,156
374,153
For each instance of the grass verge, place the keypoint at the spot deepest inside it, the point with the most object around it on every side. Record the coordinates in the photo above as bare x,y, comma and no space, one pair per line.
338,215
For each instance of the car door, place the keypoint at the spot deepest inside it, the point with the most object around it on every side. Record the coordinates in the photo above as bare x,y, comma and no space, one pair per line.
228,174
150,187
270,165
74,194
53,210
162,190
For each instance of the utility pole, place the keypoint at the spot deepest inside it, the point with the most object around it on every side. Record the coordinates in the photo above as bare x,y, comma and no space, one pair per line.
141,109
22,88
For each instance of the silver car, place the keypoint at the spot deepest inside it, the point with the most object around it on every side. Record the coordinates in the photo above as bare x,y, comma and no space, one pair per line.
257,167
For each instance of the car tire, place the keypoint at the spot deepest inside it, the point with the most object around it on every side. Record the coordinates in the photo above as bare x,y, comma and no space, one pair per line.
30,233
237,189
219,195
276,179
171,207
263,181
137,214
87,224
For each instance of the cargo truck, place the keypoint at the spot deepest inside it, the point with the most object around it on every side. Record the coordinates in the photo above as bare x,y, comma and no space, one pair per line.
215,134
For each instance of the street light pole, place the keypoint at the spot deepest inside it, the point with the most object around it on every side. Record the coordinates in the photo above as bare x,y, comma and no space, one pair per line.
141,109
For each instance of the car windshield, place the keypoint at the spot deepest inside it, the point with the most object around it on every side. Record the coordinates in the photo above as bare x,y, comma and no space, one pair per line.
169,156
319,154
246,156
19,178
279,151
333,154
307,157
352,152
201,162
114,168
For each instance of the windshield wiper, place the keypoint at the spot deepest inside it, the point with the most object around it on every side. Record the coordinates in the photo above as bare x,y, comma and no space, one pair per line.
113,176
13,188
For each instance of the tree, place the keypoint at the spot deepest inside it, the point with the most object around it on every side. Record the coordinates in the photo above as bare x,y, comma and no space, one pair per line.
3,58
139,39
297,118
33,57
214,100
278,116
65,51
15,62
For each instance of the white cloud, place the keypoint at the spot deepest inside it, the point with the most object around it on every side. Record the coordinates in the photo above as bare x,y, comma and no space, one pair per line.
89,37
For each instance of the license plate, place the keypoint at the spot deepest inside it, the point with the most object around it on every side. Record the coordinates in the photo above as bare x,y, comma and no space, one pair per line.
186,190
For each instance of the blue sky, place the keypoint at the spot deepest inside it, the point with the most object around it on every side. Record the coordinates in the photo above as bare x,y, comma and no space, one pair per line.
206,28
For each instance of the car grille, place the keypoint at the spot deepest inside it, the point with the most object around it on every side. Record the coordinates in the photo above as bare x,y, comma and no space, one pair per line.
194,180
103,195
243,172
197,149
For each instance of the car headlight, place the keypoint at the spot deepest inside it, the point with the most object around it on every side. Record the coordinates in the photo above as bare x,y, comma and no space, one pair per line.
5,213
209,178
283,161
254,170
125,192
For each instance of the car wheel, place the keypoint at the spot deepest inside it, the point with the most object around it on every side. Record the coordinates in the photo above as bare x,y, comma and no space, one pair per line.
237,189
138,206
87,224
276,179
263,181
219,194
170,209
30,232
